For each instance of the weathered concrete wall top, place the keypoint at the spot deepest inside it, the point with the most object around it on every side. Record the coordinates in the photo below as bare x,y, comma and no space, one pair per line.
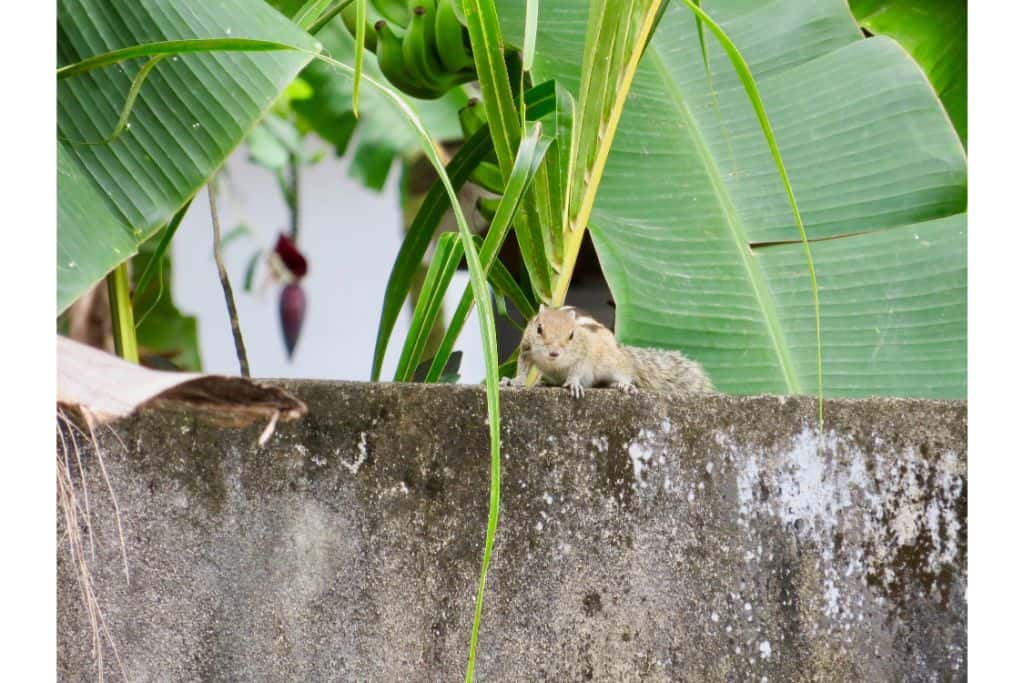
711,539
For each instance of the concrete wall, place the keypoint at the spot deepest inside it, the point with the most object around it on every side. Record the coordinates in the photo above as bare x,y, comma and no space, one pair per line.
701,540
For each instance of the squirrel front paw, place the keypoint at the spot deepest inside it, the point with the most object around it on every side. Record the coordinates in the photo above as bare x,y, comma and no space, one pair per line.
626,386
575,388
511,382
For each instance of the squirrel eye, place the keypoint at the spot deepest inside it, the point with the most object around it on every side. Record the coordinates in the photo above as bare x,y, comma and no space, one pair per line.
540,330
570,334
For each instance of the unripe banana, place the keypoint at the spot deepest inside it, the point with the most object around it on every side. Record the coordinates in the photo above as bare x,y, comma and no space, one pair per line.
471,118
392,64
418,48
348,16
395,11
449,36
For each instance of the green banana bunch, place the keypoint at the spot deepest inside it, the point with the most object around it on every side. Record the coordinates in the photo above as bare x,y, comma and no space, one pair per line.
348,16
395,11
471,118
391,60
421,60
421,45
452,38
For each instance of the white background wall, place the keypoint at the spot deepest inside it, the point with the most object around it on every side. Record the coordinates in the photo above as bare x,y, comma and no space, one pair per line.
349,234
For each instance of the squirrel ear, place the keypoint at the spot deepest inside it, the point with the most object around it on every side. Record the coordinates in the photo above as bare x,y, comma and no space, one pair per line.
572,313
542,307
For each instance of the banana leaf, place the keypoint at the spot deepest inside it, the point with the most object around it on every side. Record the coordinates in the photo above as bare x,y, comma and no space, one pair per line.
190,112
694,230
934,32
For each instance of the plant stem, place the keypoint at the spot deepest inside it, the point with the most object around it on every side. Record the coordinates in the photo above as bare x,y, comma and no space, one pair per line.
294,203
121,318
332,12
225,283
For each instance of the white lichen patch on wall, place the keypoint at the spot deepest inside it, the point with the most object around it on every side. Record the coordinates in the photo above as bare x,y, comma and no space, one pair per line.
647,450
864,513
361,455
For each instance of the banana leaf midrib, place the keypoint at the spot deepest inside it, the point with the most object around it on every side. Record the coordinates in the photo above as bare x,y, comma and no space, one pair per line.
741,241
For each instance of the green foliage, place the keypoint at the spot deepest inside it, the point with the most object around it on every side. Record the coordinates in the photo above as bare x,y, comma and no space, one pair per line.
699,169
383,135
540,102
506,124
692,220
750,86
934,32
528,160
161,328
185,121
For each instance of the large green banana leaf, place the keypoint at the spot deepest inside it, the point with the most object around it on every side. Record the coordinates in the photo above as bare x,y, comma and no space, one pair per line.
692,224
935,33
190,113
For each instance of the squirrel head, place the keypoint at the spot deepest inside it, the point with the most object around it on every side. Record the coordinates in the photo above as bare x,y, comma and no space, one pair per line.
551,336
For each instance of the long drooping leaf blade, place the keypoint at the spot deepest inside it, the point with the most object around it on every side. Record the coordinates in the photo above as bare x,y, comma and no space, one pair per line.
360,50
382,135
171,47
488,338
540,101
528,160
487,333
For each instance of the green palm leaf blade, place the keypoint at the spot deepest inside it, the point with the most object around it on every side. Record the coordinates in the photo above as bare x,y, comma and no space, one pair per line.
691,202
190,113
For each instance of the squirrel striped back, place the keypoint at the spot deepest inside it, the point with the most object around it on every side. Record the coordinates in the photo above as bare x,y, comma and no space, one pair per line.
667,371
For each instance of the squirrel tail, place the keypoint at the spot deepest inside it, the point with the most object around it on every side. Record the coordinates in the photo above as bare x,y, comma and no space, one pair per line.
667,371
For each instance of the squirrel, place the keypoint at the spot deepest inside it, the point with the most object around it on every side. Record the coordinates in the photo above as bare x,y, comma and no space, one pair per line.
572,349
